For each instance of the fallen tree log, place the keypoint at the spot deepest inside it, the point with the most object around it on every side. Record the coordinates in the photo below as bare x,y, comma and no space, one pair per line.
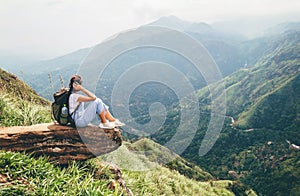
61,144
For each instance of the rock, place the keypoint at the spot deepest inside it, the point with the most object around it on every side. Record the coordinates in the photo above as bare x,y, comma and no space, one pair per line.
61,144
115,170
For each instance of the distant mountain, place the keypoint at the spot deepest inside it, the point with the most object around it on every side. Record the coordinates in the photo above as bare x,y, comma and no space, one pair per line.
286,27
223,48
262,113
274,36
181,25
37,75
61,63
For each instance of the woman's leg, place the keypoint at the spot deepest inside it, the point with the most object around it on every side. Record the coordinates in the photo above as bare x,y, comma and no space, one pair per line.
88,115
109,116
106,115
102,117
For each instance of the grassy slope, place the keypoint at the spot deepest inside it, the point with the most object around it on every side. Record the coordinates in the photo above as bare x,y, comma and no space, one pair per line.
277,110
19,104
23,175
145,175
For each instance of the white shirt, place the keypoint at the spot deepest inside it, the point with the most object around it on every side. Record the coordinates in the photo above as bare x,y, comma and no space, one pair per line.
73,103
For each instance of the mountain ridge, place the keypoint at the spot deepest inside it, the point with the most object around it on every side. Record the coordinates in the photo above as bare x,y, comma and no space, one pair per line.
174,22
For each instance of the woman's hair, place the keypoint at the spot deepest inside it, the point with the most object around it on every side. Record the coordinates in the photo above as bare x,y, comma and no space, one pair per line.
74,78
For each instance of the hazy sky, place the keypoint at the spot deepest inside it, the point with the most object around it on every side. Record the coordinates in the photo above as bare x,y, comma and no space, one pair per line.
50,28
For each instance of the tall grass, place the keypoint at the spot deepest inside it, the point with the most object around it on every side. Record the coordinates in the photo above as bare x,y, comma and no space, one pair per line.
25,175
163,181
145,177
15,111
28,176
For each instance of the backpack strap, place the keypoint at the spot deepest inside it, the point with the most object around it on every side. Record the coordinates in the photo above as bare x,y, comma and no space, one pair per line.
71,120
75,109
70,116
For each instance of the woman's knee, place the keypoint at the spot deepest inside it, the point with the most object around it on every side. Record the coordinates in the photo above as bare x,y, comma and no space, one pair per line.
96,102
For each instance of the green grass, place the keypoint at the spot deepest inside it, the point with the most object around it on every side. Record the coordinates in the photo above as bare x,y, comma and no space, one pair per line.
19,104
162,181
144,173
15,111
28,176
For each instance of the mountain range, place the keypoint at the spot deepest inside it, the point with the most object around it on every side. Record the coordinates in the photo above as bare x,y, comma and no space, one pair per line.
222,47
261,78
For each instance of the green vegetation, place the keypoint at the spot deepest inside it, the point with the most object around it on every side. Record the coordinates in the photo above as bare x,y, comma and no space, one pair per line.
163,181
23,175
145,173
265,103
17,112
10,84
19,104
145,154
284,116
258,158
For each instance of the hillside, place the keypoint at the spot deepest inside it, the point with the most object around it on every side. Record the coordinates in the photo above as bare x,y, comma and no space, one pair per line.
272,81
23,175
264,101
12,85
145,162
19,103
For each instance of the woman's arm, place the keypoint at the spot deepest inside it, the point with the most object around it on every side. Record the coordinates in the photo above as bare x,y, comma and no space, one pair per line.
90,96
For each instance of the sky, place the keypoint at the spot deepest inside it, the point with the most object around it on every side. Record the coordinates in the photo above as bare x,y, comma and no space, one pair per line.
50,28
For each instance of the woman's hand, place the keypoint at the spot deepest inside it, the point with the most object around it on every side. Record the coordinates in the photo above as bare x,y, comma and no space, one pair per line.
77,87
90,96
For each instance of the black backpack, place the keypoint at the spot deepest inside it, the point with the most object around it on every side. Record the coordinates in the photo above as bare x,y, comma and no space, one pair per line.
60,107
